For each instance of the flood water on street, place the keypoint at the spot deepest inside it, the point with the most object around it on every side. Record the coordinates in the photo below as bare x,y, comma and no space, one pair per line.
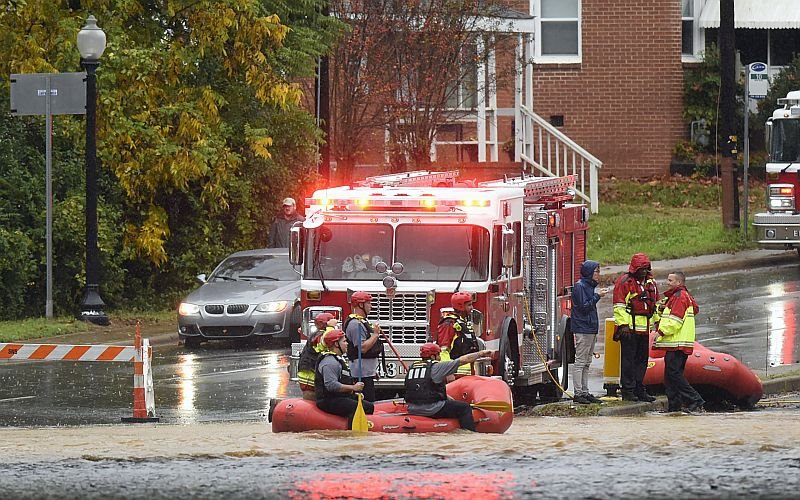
657,456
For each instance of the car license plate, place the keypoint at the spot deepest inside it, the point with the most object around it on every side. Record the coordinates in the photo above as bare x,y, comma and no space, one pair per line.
393,370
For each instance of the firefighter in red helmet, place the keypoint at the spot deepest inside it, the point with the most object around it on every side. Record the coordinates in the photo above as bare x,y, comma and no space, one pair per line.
635,315
360,331
335,387
323,322
455,334
425,386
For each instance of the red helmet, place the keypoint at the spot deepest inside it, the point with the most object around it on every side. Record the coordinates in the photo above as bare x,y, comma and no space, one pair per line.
429,350
459,300
360,298
332,337
321,320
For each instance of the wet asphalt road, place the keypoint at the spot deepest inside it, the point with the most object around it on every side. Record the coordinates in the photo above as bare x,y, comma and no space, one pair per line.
753,315
213,391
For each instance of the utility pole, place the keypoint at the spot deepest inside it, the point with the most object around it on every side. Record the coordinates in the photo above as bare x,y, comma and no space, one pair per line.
727,104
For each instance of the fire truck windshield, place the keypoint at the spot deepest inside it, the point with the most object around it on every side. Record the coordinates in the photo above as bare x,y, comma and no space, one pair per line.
785,141
443,253
336,251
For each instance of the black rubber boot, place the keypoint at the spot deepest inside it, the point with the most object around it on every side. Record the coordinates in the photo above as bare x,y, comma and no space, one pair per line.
643,396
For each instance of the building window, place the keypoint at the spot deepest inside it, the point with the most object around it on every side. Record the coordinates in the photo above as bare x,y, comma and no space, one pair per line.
559,29
692,36
463,94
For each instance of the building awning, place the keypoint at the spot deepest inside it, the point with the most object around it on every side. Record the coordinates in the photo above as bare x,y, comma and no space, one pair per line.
755,14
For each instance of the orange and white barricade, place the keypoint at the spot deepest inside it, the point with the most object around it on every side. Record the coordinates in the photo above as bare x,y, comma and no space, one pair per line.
140,354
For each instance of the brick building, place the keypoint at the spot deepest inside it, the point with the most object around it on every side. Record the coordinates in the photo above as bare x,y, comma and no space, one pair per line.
607,75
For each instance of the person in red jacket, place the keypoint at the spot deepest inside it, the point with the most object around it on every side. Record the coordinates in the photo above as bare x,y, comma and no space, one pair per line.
676,335
635,297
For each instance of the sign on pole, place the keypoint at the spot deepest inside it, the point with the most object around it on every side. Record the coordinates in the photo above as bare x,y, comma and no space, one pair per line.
48,94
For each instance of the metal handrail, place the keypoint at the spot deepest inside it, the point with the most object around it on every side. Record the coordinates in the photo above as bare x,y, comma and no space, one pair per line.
550,152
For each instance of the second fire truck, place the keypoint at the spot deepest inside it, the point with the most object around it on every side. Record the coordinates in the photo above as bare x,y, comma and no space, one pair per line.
412,240
779,227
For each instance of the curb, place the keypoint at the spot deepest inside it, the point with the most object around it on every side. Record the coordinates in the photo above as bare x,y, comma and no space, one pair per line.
772,387
705,264
781,385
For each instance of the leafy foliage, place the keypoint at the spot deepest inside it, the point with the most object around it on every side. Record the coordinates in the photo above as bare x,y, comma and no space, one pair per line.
200,133
401,66
782,83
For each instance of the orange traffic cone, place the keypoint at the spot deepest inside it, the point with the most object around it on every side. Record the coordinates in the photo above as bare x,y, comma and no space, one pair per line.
143,401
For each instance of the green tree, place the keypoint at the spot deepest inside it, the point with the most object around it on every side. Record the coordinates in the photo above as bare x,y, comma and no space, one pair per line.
200,129
784,82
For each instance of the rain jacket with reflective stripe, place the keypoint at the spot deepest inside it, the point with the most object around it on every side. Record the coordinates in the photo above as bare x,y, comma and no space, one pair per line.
677,326
634,301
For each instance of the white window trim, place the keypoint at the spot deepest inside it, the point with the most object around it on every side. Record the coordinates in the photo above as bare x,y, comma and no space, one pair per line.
557,59
698,37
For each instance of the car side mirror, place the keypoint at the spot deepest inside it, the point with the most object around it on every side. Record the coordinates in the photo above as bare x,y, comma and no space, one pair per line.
296,243
201,278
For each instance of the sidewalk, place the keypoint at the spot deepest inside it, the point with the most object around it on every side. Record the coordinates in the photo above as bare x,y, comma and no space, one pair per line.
704,264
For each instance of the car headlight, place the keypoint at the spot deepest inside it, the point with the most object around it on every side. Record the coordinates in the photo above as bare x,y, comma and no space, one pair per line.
272,307
187,309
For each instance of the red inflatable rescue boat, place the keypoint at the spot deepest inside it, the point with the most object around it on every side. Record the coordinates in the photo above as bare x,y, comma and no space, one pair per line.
715,375
297,415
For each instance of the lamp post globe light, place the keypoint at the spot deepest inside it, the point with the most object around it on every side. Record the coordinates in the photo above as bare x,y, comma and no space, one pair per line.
91,44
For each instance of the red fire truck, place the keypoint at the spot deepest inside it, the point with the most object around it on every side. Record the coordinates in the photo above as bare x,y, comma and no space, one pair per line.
413,239
779,227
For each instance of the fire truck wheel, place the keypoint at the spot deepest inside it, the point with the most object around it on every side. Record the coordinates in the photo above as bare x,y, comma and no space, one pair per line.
508,352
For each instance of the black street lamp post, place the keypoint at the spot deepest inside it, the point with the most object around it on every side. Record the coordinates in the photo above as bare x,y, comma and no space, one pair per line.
91,44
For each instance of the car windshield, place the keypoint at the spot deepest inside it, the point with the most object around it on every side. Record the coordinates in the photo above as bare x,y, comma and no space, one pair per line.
254,267
427,252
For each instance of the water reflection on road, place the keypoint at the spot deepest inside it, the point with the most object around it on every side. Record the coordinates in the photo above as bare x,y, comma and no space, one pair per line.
212,383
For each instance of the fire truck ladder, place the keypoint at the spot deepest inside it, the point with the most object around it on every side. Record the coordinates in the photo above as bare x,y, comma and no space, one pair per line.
540,188
417,178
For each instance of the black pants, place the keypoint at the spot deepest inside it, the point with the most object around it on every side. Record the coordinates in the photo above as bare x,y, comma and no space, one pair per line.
460,410
635,351
369,388
679,390
344,406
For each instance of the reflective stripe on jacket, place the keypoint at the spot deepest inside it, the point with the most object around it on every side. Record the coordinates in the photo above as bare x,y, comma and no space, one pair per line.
635,302
677,324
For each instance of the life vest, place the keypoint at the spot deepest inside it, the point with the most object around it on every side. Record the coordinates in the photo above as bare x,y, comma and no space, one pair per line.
344,378
464,341
643,302
352,347
420,387
310,353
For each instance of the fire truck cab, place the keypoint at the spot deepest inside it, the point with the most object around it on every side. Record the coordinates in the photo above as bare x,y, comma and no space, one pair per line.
412,240
779,227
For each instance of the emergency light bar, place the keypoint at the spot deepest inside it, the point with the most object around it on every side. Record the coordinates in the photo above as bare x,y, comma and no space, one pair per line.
396,203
